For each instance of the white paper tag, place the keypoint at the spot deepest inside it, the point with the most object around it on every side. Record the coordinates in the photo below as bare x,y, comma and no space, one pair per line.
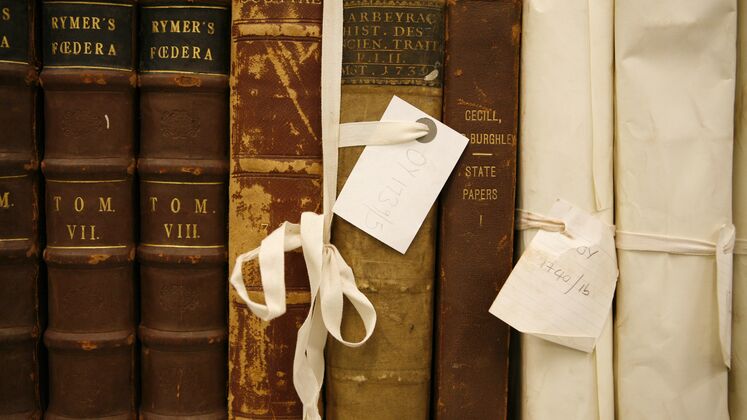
562,287
392,187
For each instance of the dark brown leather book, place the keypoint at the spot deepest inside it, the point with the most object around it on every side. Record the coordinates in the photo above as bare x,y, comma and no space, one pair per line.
275,164
476,220
183,173
19,212
391,47
89,86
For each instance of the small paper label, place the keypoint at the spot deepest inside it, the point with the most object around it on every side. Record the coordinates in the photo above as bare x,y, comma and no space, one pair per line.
392,187
562,287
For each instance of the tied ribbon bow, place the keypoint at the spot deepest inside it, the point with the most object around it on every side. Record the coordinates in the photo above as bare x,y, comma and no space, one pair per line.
330,279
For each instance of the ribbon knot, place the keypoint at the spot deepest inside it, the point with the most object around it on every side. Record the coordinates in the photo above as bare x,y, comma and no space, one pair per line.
330,279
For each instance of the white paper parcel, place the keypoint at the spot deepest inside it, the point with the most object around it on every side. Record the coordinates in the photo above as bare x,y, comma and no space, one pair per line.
675,69
565,151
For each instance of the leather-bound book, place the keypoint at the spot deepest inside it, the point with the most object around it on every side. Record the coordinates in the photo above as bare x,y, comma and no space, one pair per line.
89,86
275,166
183,174
391,47
476,221
19,212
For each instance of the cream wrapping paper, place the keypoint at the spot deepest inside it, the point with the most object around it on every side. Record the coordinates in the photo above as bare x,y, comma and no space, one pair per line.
565,151
738,373
675,69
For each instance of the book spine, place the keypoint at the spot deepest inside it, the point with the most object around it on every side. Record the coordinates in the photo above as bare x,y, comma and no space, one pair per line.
738,373
390,48
477,209
20,326
89,118
275,168
183,168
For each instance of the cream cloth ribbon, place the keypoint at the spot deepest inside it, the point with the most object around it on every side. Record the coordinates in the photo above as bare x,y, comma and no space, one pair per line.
526,220
330,277
723,250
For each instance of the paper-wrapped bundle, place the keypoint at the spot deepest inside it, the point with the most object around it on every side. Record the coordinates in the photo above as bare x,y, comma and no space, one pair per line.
675,70
738,373
565,152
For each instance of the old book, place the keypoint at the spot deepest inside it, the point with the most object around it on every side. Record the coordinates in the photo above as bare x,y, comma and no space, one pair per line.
673,172
89,119
275,167
183,173
19,211
565,152
738,373
476,220
390,48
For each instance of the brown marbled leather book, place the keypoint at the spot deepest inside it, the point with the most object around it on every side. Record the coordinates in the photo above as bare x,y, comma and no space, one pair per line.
20,252
476,220
89,83
183,173
275,167
391,47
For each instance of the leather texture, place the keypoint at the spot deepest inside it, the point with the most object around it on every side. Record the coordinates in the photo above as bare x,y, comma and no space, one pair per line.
20,251
183,174
89,114
275,175
476,220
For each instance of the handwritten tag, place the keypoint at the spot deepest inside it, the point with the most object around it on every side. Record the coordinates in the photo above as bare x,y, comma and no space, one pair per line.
392,187
562,287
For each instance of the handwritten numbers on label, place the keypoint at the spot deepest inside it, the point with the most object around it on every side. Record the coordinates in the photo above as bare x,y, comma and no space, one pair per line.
562,287
392,187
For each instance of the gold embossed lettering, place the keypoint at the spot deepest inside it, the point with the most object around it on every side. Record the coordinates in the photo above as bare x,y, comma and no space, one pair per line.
480,171
479,194
481,115
5,200
180,52
176,205
176,26
105,205
81,48
83,232
183,230
79,204
153,201
57,199
201,205
86,23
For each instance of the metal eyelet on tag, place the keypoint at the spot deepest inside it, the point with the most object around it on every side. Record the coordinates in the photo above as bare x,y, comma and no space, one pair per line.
432,130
